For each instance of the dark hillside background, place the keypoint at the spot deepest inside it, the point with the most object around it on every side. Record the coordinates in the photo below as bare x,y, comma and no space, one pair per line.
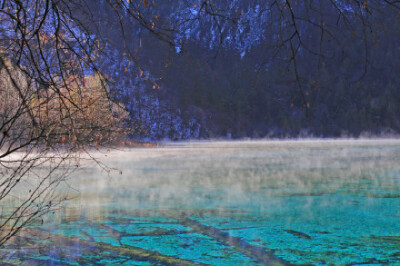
332,71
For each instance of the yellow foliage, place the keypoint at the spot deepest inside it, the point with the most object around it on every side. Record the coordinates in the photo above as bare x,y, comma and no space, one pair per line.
80,113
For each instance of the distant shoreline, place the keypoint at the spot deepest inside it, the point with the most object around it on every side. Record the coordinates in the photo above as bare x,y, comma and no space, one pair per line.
222,143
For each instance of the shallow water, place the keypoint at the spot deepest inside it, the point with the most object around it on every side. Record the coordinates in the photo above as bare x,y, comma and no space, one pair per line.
227,203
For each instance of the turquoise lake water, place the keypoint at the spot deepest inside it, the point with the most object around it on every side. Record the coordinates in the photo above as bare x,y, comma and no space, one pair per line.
227,203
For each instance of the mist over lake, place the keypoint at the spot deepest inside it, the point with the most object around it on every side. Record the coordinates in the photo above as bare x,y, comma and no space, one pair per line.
227,203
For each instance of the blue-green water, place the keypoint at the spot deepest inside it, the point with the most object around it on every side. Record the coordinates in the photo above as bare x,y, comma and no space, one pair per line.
227,203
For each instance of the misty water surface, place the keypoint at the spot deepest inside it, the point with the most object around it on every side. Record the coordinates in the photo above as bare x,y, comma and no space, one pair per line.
228,203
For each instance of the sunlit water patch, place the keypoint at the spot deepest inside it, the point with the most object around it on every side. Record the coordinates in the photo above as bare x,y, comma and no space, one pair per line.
227,203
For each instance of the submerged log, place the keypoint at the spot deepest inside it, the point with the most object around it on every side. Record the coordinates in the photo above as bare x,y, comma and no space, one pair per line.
134,253
252,251
298,234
